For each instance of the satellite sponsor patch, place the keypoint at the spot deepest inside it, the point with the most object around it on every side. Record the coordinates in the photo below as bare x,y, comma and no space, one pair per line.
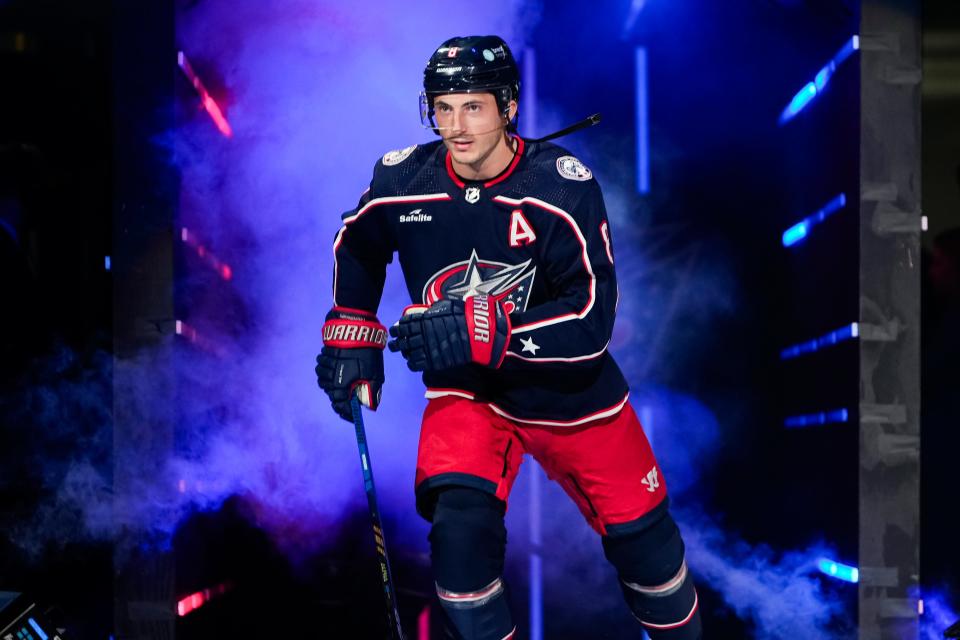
396,157
572,169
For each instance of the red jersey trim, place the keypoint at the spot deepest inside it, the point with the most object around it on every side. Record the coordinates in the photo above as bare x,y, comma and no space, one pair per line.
431,197
596,415
590,356
438,392
540,204
513,164
448,161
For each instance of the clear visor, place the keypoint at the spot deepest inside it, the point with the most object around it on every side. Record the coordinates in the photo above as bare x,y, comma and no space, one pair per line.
426,113
444,119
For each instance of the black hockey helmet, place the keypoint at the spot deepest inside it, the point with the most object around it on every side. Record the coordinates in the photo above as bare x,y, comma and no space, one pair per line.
470,64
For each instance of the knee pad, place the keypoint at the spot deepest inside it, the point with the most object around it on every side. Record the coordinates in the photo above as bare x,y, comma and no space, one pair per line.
468,542
655,581
468,539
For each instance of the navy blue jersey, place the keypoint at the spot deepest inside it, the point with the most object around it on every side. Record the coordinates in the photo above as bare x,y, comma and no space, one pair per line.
535,237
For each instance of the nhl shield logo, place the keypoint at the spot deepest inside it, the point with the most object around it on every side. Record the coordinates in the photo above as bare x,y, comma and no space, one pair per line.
472,194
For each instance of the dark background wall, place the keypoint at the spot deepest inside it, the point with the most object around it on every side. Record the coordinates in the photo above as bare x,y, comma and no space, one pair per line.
701,249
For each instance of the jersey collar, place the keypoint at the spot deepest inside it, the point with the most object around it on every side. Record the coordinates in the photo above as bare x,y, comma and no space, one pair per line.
503,175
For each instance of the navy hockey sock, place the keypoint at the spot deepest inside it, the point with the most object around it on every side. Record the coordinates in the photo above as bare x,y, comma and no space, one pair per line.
655,581
468,542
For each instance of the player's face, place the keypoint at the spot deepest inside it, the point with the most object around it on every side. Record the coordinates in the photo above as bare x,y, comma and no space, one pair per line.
472,127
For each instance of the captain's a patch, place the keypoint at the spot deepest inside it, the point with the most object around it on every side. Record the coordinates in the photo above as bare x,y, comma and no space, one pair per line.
396,157
572,169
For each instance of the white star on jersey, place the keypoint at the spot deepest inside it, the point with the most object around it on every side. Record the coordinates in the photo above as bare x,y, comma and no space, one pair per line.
528,345
473,282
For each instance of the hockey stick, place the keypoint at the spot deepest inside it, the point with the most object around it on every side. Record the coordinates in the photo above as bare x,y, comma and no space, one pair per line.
386,577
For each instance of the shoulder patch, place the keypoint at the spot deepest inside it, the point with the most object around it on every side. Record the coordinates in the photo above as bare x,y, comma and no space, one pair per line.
572,169
396,157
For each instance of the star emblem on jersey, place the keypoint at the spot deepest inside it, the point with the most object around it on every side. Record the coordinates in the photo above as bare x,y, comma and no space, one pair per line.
509,283
472,194
529,345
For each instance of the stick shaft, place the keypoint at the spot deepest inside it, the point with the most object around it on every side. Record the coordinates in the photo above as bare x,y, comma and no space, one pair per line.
386,577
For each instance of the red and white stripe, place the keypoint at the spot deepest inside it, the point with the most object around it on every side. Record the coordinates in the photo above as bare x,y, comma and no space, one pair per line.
589,356
540,204
430,197
440,392
596,415
664,589
674,625
477,597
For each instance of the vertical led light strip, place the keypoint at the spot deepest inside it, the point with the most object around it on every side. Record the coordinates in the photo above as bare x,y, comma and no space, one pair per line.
528,119
646,421
528,99
423,624
643,131
536,560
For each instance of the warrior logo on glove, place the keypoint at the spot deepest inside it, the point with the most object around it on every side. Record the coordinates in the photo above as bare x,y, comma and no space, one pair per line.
354,330
508,283
351,361
452,333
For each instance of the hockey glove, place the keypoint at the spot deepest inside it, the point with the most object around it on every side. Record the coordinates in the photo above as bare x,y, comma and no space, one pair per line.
351,358
451,333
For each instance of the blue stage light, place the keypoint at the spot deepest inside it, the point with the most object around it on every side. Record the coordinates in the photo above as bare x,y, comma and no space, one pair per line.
804,97
846,332
37,628
812,419
801,230
812,89
642,123
795,234
839,571
106,262
536,596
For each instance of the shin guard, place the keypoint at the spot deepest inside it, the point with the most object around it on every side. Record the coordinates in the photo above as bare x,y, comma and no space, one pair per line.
480,615
655,581
468,543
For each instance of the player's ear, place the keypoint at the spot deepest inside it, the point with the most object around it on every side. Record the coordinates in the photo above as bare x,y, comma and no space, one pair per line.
511,111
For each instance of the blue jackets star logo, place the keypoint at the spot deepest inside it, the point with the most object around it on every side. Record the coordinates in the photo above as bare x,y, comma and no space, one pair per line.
511,284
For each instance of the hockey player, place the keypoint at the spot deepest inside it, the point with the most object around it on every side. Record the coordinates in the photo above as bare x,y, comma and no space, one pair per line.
507,255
